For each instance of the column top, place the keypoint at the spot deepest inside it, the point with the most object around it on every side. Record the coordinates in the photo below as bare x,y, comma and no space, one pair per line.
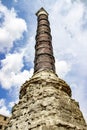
41,11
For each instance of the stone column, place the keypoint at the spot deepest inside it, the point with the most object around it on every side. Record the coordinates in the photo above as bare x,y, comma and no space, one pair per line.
44,59
45,101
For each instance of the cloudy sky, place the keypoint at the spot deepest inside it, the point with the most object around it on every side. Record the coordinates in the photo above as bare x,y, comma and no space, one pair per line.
18,23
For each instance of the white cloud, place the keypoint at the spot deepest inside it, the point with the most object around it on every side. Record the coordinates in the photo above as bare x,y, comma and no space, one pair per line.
12,62
62,68
69,39
16,1
4,111
11,104
11,74
3,108
29,50
69,42
23,76
70,46
2,102
11,29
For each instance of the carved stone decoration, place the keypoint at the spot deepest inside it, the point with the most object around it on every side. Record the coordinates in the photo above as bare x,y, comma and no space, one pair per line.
45,101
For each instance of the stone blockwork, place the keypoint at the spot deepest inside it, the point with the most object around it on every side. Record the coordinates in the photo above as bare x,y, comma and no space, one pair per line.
45,104
45,101
44,59
3,122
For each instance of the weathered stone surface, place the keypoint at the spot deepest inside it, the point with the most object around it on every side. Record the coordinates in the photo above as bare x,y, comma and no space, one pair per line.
44,59
3,122
45,101
45,105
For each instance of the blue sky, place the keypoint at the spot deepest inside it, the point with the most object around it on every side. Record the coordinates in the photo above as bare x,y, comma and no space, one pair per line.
18,23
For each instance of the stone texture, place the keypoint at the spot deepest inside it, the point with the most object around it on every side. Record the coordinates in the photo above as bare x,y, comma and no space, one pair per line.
44,59
45,101
3,122
46,104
